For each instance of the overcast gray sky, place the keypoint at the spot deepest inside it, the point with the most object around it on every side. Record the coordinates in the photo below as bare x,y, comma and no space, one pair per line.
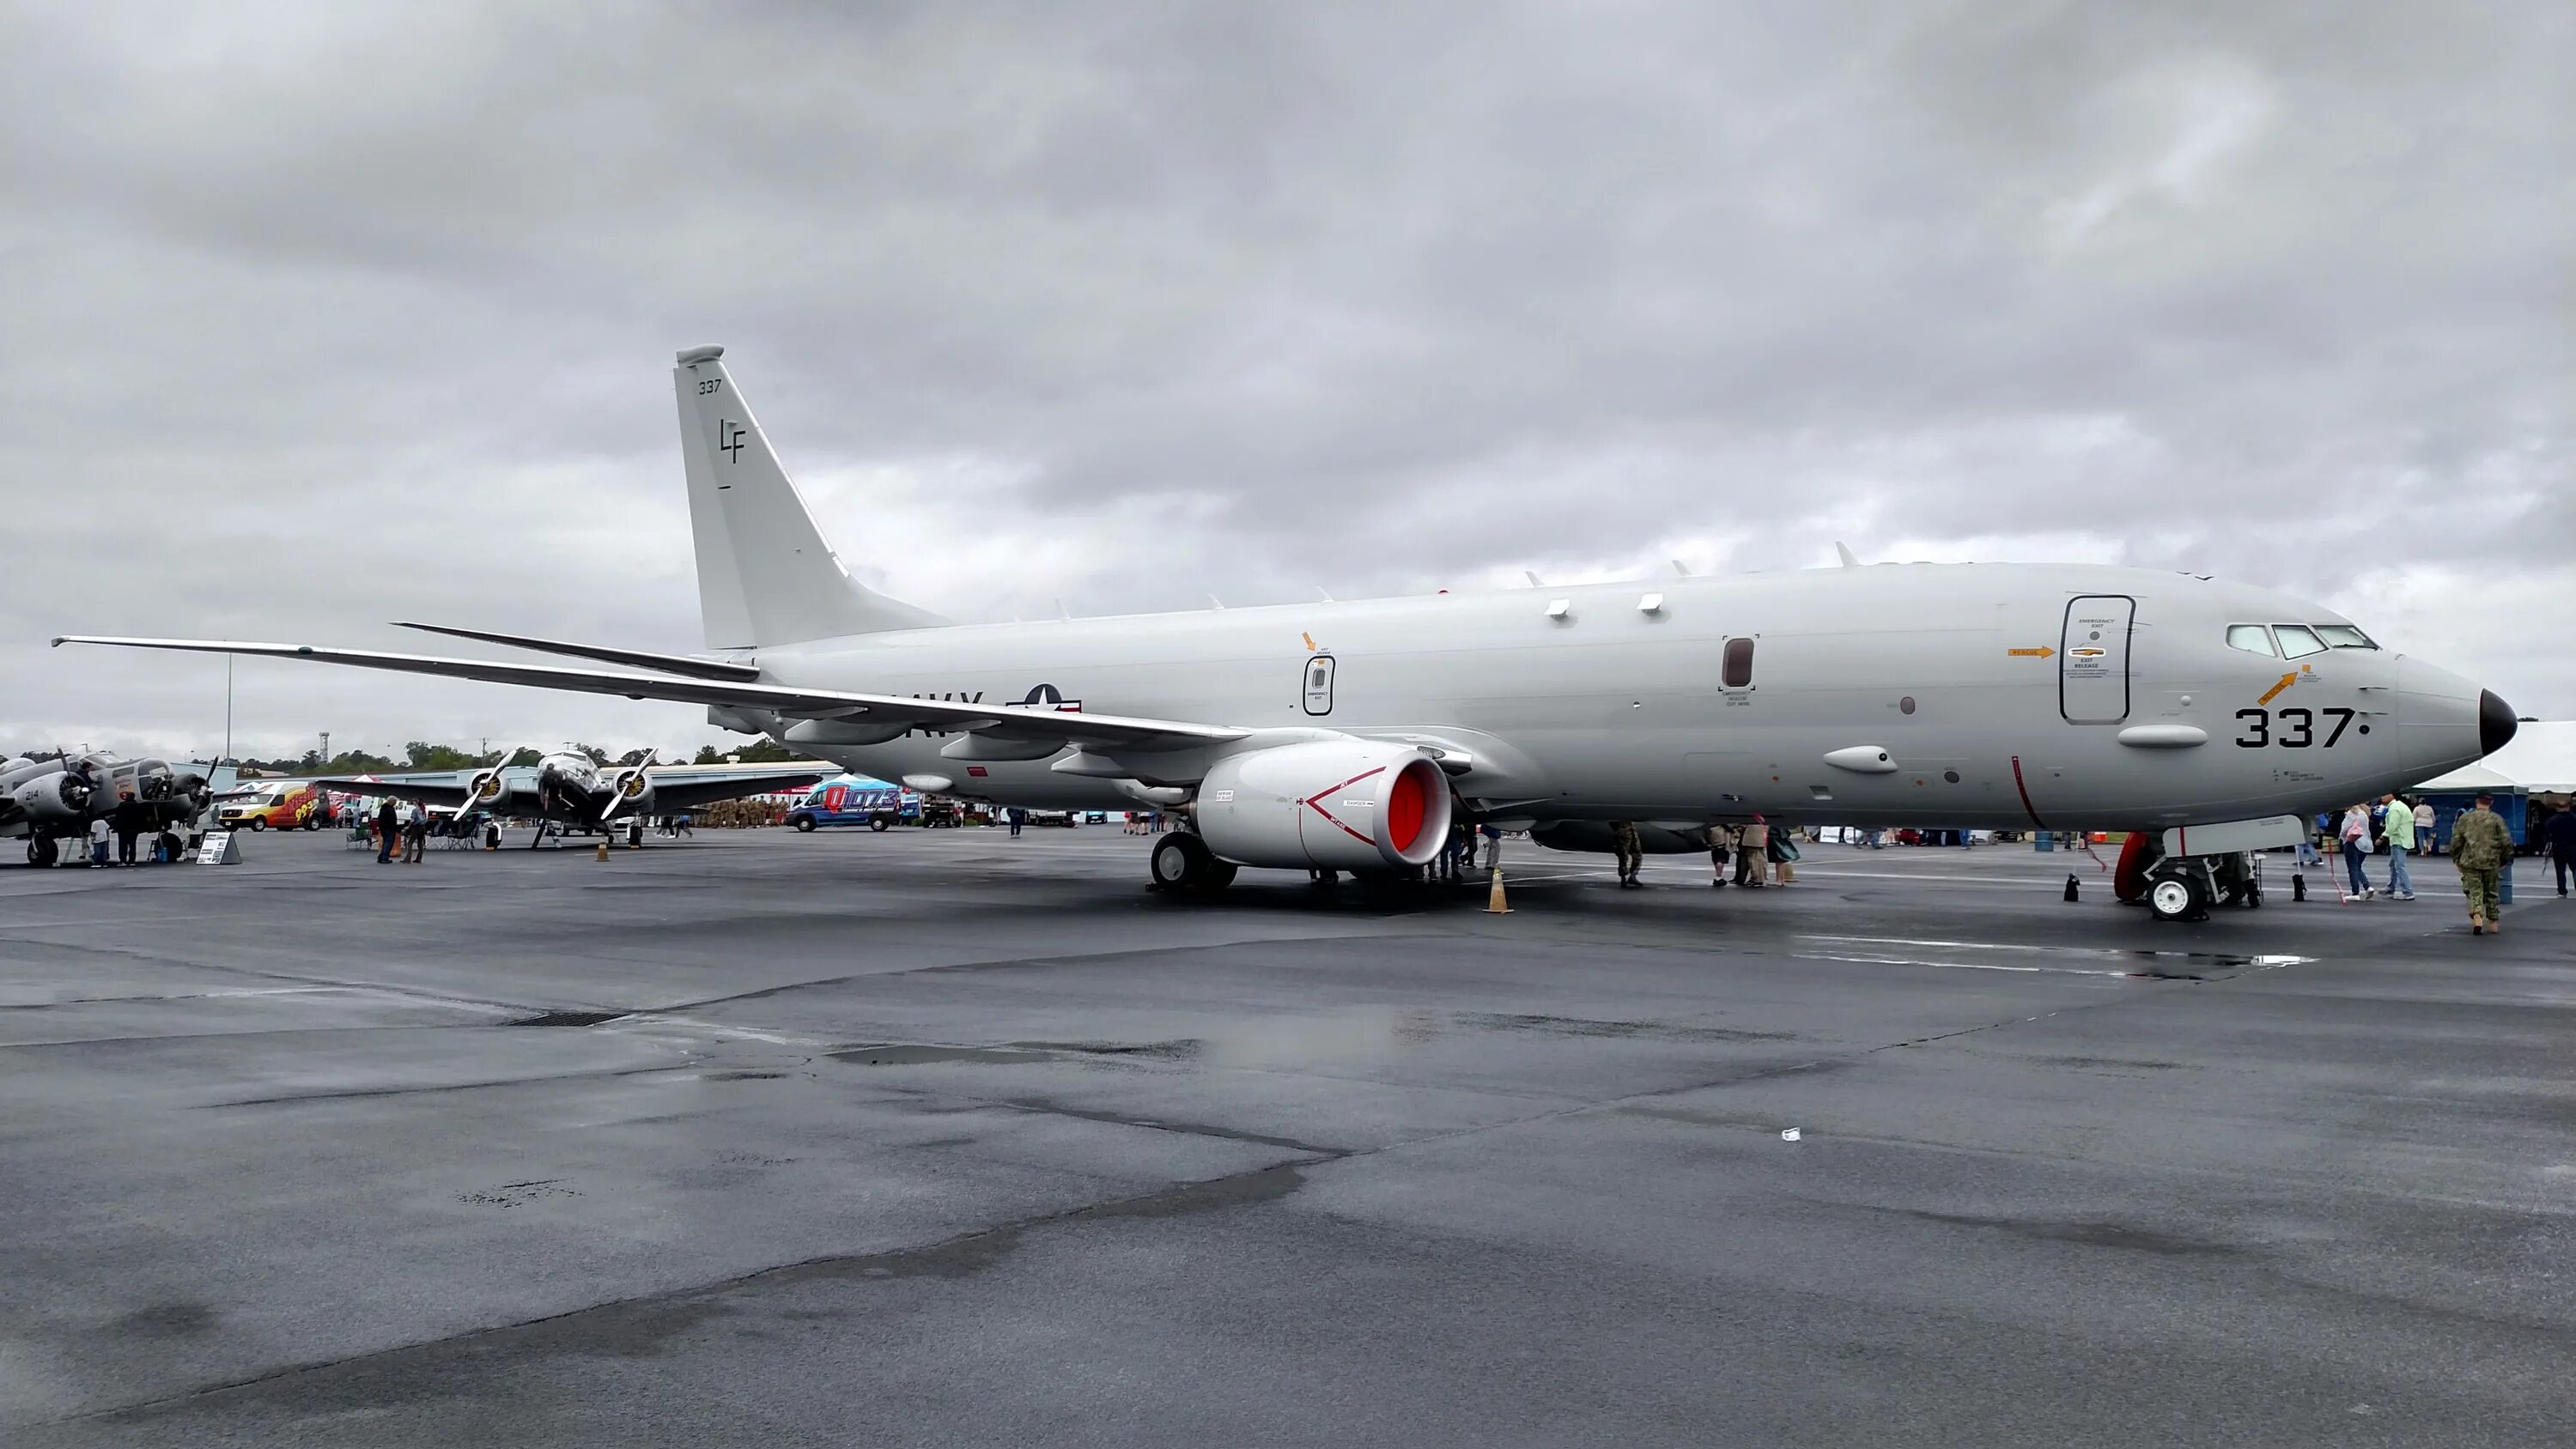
320,316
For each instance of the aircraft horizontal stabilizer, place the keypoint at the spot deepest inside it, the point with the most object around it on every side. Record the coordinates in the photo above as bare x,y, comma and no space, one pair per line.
1013,721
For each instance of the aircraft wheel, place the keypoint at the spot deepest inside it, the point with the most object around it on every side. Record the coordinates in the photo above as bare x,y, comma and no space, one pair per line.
1173,862
41,850
2177,899
1219,875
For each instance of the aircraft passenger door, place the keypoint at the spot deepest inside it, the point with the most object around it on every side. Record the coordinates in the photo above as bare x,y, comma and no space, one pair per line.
2093,659
1319,684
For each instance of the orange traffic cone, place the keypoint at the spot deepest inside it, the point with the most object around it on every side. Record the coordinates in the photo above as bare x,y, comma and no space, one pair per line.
603,851
1495,905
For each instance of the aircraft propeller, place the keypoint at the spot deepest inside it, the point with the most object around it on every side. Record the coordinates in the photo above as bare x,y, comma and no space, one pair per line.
631,785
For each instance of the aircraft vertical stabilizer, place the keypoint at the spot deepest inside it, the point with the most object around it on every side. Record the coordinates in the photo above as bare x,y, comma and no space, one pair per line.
766,574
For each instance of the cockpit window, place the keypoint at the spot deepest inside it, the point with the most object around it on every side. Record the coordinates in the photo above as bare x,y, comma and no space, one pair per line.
2252,638
2298,640
2344,636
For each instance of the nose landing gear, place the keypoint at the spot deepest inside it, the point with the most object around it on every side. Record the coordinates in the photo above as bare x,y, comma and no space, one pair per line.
2183,888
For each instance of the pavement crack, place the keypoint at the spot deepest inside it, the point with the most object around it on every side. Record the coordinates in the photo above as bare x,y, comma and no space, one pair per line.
1160,1124
655,1318
432,1089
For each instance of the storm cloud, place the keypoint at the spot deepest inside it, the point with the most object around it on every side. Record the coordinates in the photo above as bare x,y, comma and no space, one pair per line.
322,316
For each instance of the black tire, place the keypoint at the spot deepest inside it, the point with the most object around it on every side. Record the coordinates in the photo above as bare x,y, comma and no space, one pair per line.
258,823
879,824
312,822
1173,864
2177,898
804,824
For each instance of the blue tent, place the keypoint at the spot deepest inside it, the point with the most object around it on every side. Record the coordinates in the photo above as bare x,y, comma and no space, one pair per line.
2456,793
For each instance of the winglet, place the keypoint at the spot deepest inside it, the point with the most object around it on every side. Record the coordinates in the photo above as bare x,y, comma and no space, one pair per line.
1535,581
1681,569
1844,549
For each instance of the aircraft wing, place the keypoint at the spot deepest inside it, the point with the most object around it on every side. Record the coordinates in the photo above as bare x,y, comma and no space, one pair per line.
450,796
681,795
795,701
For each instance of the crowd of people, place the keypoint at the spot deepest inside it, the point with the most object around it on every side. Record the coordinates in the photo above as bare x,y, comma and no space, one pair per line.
2398,830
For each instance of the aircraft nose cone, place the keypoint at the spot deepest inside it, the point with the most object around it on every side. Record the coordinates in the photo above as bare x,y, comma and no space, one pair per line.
2495,723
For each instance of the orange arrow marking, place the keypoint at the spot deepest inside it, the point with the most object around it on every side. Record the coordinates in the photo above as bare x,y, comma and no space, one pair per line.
2042,652
2275,691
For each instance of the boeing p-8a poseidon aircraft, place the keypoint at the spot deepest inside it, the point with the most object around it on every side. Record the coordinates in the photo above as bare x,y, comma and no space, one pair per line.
1349,735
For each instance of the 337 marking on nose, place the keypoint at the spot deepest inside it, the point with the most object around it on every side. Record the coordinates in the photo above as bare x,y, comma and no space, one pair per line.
2298,727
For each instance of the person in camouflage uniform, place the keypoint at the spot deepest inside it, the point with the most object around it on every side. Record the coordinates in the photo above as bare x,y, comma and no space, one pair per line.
2480,847
1631,853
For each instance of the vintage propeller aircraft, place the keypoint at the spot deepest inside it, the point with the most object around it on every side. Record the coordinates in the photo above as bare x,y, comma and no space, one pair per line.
567,791
48,801
1349,735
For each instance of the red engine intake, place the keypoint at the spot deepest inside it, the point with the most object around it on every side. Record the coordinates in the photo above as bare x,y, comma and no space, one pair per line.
1338,804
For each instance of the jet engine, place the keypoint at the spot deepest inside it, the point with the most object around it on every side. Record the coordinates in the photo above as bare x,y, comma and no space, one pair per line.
1329,804
59,798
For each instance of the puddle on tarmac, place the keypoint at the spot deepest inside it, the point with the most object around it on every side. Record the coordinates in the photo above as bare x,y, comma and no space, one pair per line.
898,1055
1181,1049
906,1054
572,1018
2003,956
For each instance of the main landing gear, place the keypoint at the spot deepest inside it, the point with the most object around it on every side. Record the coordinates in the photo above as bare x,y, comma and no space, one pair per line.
1182,862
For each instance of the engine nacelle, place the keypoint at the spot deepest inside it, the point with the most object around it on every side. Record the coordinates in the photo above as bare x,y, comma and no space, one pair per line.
634,790
482,788
1329,804
154,782
59,798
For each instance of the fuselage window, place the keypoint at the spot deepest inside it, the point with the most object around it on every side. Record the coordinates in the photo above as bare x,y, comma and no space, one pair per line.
2252,638
2344,636
1738,672
2298,641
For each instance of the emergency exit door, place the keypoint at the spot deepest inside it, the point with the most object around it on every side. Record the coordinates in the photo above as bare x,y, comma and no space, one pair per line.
2093,659
1319,684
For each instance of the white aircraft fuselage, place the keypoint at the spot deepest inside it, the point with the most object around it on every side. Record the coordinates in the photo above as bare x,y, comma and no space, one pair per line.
1608,709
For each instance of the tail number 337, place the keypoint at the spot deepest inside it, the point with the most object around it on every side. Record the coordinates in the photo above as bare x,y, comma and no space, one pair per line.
2292,729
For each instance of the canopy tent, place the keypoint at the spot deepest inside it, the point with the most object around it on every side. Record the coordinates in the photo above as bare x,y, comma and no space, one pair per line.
2541,760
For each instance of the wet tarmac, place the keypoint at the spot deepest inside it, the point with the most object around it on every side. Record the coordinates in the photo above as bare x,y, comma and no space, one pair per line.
944,1138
